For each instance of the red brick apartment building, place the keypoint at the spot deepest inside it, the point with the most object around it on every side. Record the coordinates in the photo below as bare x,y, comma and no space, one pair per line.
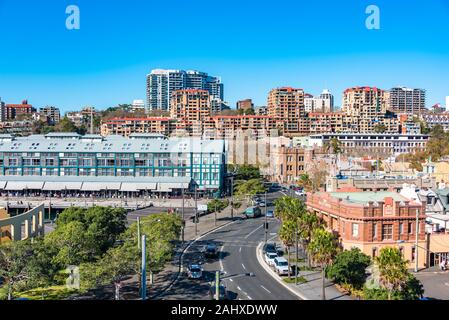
128,126
373,220
13,111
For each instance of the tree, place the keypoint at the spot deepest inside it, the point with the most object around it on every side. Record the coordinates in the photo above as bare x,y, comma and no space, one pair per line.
103,224
349,267
287,234
323,248
65,125
23,265
246,172
250,188
307,224
333,146
380,128
217,204
393,270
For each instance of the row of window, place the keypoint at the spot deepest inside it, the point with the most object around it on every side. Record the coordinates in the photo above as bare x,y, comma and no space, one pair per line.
387,230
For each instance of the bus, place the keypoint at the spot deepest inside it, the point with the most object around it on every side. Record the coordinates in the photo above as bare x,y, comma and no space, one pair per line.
253,212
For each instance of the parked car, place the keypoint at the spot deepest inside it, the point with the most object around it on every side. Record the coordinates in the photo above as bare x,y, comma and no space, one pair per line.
270,214
281,266
270,248
222,292
195,271
211,251
262,204
269,258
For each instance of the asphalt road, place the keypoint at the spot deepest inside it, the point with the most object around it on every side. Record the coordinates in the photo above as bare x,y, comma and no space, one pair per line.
237,242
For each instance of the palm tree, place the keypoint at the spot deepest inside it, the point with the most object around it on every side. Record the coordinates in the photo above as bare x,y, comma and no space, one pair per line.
307,223
287,236
392,268
323,249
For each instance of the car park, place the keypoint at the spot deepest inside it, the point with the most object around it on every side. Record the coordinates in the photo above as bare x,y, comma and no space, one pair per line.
281,266
195,271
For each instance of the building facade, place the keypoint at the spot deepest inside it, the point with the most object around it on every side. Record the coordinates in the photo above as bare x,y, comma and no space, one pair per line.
407,100
52,114
128,126
14,111
323,103
245,104
162,83
68,158
371,221
190,107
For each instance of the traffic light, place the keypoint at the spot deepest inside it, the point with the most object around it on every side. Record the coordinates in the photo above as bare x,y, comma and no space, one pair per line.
266,225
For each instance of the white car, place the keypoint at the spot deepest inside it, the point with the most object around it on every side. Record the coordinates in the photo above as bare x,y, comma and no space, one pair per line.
269,258
281,266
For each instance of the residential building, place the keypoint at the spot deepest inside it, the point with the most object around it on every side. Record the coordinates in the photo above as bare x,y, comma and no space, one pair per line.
245,104
290,165
432,120
371,221
2,110
52,114
437,169
138,105
128,126
14,111
111,165
288,104
162,83
408,125
375,144
407,100
190,107
323,103
261,110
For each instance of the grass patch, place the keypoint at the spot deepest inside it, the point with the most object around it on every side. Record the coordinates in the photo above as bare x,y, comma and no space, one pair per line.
301,279
50,293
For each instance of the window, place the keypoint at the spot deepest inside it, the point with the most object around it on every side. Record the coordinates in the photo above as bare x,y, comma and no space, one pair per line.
410,228
387,232
401,228
374,230
374,252
355,229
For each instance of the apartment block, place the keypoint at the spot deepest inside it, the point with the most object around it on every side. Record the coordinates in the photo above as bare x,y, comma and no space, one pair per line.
52,114
14,111
407,100
190,107
128,126
288,104
323,103
245,104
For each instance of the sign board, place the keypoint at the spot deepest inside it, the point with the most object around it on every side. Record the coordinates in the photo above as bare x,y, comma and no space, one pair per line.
202,207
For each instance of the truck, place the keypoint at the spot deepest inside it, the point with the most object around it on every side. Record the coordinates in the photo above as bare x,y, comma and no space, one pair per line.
253,212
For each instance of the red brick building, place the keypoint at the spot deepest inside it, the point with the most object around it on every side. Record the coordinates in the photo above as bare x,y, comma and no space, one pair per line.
373,220
13,111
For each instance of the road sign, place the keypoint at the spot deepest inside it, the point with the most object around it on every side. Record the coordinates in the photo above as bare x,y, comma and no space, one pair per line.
202,207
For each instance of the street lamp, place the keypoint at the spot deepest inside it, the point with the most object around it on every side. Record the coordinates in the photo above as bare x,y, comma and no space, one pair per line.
416,239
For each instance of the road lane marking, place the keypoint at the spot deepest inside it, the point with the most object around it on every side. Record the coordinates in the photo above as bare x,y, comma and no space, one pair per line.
239,289
249,297
231,280
252,232
240,250
265,289
221,260
243,266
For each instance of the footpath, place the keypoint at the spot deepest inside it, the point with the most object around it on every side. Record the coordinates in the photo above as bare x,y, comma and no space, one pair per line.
309,285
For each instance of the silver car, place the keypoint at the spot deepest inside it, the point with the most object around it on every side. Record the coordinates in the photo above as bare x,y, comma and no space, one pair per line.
195,271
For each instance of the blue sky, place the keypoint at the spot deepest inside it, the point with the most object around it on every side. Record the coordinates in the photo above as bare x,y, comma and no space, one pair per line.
253,45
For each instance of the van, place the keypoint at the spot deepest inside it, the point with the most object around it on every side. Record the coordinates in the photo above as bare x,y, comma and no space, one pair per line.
253,212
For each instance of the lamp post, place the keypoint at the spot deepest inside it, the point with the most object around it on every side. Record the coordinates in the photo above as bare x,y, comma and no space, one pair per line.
183,217
266,219
416,239
143,281
196,211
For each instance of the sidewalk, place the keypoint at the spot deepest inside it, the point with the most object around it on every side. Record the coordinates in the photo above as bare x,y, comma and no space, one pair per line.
312,287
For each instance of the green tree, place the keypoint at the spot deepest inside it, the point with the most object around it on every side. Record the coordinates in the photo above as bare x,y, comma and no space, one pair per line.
307,224
246,172
380,128
24,265
287,234
348,268
333,146
250,188
323,248
393,270
65,125
217,204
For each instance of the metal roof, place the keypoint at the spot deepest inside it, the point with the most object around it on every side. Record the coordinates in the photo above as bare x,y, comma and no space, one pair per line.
69,142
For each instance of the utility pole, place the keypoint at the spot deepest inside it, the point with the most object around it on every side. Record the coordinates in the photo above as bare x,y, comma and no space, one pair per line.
215,213
266,219
416,239
217,285
196,212
138,232
143,281
182,212
232,198
297,255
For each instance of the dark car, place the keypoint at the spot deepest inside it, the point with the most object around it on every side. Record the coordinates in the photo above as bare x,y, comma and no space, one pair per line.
211,251
270,248
222,292
195,271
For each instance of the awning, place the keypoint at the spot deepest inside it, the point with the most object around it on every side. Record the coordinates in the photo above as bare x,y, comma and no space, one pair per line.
61,186
129,187
146,186
98,186
2,184
19,186
163,187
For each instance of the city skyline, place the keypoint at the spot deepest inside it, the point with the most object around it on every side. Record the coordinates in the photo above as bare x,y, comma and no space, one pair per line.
71,69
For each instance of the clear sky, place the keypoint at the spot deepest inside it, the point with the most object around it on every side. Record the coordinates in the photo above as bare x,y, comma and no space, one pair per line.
254,45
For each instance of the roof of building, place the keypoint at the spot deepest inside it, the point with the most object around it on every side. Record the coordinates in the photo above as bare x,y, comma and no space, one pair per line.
365,197
73,142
